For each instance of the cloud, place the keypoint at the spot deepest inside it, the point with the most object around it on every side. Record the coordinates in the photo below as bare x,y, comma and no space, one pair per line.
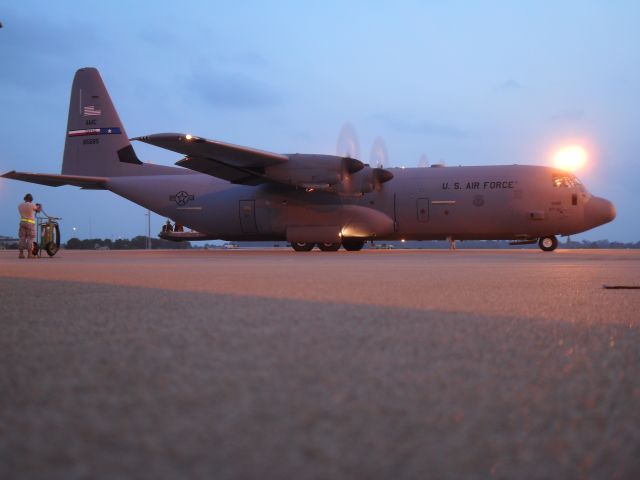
37,54
234,90
421,127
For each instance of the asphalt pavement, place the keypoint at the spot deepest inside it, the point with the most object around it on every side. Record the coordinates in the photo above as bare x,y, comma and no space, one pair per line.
276,364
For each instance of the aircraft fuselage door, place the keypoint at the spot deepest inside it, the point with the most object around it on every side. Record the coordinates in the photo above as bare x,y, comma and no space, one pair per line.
248,216
422,204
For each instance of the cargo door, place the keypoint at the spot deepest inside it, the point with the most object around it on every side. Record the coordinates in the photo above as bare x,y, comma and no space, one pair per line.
248,216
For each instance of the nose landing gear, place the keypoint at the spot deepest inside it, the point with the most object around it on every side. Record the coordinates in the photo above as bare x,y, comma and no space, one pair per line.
548,244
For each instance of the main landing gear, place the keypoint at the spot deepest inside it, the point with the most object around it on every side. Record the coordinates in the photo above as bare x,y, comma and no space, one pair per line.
329,247
351,245
548,244
302,246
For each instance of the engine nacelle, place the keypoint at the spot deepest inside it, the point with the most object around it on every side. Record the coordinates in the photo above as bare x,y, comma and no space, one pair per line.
363,181
313,171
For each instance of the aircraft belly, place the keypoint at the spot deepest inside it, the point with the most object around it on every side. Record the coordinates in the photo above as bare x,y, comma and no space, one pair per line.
279,213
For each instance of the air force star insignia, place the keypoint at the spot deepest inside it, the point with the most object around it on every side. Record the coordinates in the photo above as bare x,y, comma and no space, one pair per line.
181,198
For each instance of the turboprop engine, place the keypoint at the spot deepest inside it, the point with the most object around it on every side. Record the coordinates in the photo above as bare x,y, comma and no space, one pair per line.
363,181
340,175
318,172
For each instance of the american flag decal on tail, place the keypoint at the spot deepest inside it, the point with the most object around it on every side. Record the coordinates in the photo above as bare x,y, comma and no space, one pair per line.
94,131
91,111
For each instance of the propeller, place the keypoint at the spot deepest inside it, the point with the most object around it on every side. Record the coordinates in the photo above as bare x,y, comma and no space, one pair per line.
348,142
356,179
379,158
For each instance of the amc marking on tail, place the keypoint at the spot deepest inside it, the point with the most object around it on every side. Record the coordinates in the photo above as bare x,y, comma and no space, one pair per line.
181,198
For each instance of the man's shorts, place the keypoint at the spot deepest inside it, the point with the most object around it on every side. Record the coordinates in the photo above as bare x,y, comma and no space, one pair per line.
27,230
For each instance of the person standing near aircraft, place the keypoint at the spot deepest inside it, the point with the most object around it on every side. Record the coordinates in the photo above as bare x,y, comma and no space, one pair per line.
167,227
27,229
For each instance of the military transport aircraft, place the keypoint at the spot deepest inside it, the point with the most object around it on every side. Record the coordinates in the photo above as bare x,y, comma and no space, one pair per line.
229,192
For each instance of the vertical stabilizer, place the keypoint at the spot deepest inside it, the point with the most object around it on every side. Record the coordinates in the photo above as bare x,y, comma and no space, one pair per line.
96,141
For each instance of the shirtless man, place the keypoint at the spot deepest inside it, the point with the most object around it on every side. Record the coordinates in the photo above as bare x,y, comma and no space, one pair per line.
27,231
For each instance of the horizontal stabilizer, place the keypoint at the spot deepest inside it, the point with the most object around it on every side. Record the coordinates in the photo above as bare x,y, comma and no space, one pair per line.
53,180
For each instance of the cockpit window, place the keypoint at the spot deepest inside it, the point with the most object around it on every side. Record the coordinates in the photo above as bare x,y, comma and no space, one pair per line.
565,180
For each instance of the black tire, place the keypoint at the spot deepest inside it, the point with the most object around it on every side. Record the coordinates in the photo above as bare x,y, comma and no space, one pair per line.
35,249
548,244
51,249
353,245
329,247
302,246
53,246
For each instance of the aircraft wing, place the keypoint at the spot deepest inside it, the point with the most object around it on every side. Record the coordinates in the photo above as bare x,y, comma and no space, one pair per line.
53,180
233,163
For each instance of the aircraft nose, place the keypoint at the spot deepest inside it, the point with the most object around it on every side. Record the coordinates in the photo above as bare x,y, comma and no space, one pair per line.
599,211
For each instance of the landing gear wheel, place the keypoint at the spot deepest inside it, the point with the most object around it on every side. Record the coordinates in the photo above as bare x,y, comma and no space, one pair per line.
548,244
329,247
302,246
35,249
353,245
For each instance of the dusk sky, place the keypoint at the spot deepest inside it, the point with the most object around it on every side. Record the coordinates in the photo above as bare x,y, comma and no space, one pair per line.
466,83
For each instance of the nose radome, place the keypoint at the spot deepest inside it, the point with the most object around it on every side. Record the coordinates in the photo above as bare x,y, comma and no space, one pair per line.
599,211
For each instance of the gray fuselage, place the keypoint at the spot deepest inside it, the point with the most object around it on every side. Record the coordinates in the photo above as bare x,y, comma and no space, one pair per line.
484,202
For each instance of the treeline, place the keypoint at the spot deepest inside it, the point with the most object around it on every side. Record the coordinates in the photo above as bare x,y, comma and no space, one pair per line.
600,244
135,243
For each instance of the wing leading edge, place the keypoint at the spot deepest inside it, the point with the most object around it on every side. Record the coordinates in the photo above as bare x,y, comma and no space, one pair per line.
233,163
249,166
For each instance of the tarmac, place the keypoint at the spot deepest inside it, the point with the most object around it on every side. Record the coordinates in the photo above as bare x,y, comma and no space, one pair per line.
276,364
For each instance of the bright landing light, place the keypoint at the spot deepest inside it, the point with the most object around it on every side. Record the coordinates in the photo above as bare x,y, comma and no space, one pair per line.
570,158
